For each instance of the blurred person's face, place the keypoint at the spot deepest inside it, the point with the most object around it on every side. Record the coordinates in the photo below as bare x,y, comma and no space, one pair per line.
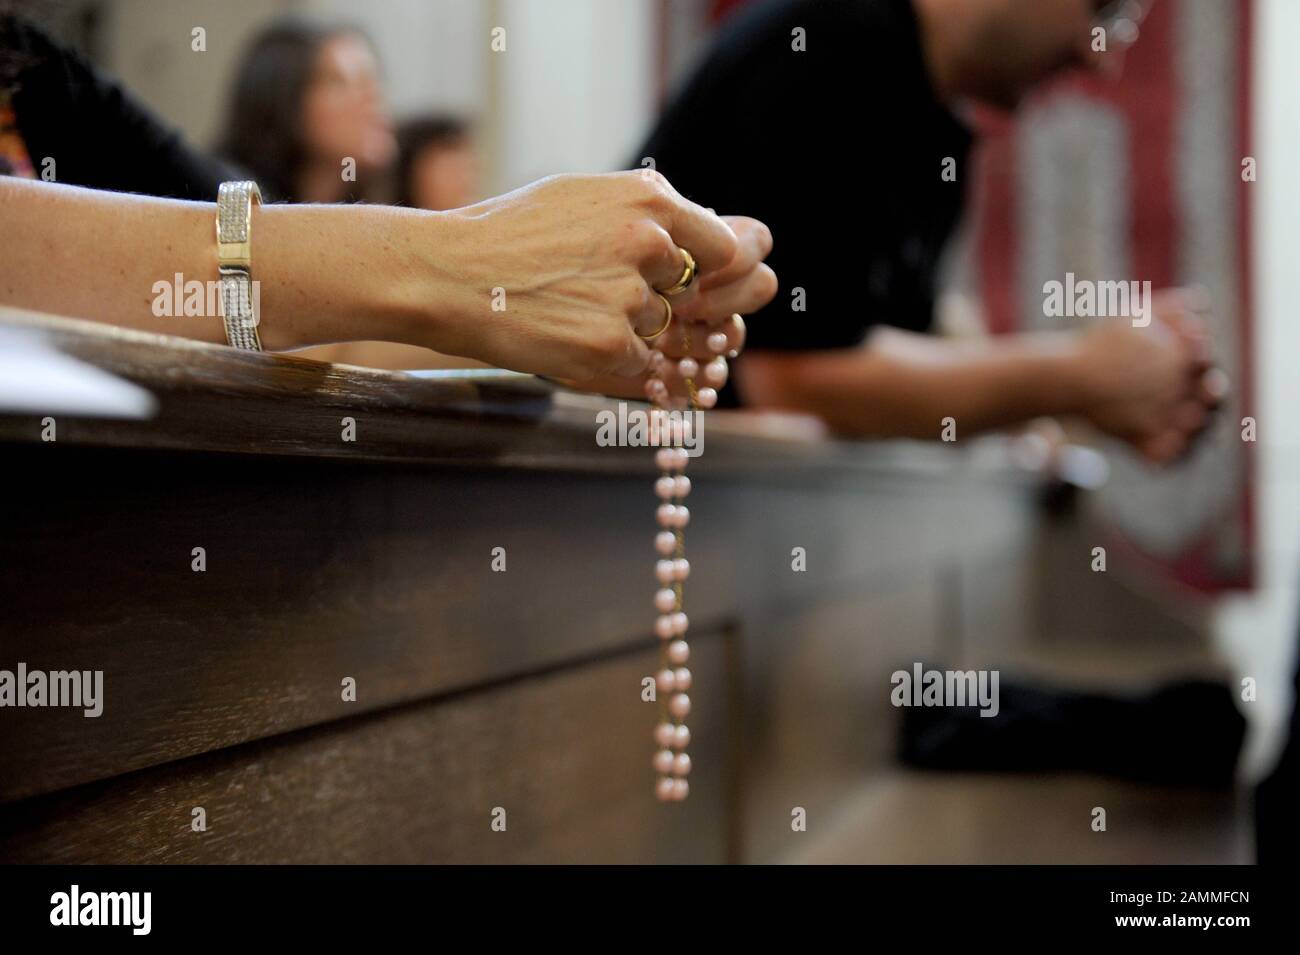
343,110
446,176
1018,44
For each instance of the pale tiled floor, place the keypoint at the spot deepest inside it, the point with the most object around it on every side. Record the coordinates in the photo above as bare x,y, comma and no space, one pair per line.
913,817
904,816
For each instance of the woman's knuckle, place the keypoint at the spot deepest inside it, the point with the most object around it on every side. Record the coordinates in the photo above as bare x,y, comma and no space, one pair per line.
646,240
633,296
611,345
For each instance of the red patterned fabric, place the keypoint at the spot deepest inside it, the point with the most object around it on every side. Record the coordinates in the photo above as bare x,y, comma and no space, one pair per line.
1155,102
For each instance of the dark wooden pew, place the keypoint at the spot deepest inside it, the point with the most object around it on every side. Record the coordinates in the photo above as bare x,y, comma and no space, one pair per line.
475,690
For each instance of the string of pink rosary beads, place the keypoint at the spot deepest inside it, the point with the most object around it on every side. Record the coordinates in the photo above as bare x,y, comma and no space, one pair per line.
673,679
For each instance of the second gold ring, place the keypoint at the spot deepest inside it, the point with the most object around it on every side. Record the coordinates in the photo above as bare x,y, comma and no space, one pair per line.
668,319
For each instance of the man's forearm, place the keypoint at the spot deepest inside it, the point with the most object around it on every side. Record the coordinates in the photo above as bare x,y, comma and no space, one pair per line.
904,385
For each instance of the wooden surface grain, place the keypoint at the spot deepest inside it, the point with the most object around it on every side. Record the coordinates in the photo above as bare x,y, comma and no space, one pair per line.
372,560
219,399
564,754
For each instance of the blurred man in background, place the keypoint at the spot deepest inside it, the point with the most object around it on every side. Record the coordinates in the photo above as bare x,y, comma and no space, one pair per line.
834,120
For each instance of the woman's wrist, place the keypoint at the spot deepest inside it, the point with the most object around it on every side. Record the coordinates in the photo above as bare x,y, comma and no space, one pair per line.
355,273
419,288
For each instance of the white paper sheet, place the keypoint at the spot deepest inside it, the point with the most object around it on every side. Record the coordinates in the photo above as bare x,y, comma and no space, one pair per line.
36,378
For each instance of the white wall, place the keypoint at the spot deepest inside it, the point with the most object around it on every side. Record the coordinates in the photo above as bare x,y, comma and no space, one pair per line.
576,91
1259,632
148,47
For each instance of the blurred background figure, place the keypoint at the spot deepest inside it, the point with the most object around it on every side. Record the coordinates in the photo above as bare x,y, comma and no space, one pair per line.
14,160
307,117
438,164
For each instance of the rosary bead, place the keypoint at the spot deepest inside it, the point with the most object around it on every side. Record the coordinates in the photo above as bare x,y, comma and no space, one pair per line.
655,389
674,678
666,735
715,372
671,459
665,762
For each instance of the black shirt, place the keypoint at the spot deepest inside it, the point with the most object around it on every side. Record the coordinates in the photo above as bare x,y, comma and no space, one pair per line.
839,148
98,135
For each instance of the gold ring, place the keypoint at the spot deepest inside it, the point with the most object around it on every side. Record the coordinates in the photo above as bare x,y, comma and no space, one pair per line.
688,274
668,319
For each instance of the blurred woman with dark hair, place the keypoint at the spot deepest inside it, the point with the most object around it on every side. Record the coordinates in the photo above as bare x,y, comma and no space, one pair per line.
437,165
307,117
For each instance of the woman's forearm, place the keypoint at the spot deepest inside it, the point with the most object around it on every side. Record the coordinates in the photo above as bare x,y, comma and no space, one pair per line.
555,278
324,273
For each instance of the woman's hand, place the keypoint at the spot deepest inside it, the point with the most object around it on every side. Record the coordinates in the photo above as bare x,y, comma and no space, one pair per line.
558,278
550,279
712,306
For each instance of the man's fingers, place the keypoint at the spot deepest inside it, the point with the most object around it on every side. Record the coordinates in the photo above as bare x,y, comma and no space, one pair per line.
1190,416
1213,387
1163,447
